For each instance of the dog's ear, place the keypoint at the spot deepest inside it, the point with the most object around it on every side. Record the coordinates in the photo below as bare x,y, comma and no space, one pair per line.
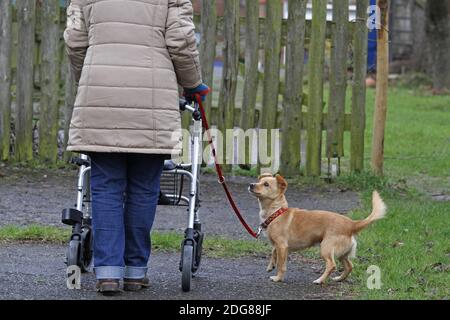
282,183
265,175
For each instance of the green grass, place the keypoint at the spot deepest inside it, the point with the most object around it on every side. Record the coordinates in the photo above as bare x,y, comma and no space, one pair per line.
411,246
363,181
417,138
33,232
213,246
38,164
216,247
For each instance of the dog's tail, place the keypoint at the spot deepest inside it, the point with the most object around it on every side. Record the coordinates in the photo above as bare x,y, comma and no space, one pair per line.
378,212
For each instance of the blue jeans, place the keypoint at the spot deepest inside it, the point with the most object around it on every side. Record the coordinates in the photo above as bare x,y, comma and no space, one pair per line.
125,191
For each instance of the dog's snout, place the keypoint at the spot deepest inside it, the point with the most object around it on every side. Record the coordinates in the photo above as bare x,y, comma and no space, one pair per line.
252,186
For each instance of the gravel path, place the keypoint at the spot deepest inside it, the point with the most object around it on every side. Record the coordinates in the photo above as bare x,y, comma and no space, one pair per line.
38,196
32,271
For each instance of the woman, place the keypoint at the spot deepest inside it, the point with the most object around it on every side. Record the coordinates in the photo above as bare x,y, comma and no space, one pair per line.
128,58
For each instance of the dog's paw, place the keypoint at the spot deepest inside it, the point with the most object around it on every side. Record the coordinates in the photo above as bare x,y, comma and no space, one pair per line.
270,268
318,281
276,279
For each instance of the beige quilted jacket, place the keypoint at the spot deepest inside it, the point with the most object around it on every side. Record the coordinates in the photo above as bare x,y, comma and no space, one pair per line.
128,56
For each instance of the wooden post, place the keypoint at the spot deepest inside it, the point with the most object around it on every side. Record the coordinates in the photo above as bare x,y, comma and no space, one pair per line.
49,74
229,77
208,48
293,95
272,59
379,119
338,79
359,88
247,117
315,73
5,77
25,61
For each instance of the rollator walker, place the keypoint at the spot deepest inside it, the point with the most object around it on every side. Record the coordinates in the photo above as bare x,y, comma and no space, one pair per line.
80,248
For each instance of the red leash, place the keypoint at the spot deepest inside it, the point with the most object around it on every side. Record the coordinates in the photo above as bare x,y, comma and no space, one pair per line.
255,235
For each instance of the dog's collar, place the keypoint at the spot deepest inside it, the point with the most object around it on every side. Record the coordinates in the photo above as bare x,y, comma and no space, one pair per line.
272,217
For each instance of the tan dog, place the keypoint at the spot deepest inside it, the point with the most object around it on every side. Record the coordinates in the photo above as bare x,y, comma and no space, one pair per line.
298,229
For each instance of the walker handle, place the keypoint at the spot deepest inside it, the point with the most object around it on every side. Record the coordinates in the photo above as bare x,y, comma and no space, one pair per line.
183,104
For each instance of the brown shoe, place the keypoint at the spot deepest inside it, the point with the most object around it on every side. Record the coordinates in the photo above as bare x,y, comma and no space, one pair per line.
108,287
135,284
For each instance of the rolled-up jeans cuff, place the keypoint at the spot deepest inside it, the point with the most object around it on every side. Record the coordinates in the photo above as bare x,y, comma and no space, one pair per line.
109,272
135,272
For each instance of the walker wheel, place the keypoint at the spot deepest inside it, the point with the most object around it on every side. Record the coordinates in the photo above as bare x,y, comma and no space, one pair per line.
86,257
186,271
198,250
73,253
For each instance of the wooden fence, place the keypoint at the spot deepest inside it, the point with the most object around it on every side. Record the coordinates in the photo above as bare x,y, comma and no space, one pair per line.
34,68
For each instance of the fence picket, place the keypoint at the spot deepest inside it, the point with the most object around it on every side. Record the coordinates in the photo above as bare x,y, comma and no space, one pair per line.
293,95
247,117
49,79
338,80
315,73
208,48
69,102
359,88
269,111
25,78
5,77
227,95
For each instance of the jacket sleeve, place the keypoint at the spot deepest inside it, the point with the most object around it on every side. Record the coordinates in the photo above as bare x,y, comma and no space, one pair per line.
181,43
76,38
